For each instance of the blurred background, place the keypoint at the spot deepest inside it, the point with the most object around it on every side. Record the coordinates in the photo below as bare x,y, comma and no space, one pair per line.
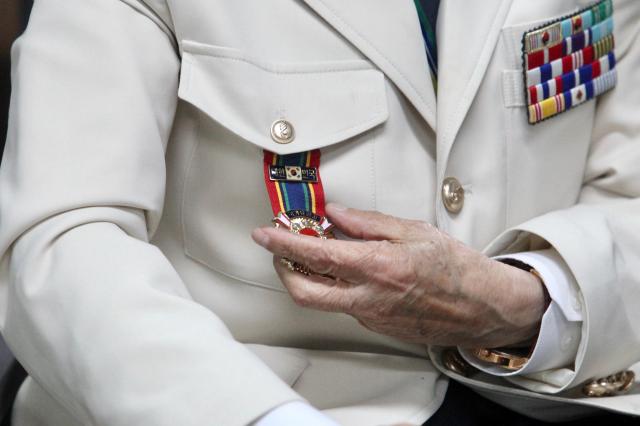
13,18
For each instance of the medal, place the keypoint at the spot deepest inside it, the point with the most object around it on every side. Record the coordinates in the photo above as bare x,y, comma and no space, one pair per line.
297,196
304,223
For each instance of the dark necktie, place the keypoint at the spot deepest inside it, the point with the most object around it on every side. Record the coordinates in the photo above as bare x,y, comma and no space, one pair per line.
428,14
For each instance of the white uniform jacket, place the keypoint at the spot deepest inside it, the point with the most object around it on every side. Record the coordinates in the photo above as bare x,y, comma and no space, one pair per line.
130,288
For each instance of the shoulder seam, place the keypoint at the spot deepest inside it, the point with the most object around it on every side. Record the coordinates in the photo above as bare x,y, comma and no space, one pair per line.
154,16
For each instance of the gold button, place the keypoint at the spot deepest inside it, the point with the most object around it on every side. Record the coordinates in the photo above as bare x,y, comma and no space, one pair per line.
282,132
453,361
452,195
615,384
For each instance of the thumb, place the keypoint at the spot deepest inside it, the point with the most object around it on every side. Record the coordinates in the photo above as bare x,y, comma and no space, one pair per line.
372,225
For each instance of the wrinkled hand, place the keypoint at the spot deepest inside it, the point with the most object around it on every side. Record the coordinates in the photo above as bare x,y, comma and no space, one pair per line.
407,279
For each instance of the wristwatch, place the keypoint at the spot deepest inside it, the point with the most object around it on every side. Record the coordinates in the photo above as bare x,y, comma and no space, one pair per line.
511,358
514,359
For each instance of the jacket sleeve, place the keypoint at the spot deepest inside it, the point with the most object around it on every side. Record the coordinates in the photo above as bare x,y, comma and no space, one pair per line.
96,314
599,237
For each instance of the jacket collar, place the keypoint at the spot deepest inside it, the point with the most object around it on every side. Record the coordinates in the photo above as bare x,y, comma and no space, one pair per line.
468,32
388,33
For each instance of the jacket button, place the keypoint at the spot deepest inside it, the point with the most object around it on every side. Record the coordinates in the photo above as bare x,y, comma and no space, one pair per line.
453,361
282,132
452,195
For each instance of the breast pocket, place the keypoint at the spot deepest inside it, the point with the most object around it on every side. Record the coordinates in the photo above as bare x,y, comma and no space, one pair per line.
332,106
557,70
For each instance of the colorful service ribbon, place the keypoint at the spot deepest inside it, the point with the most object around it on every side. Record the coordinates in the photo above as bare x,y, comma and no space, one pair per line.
569,61
293,182
296,193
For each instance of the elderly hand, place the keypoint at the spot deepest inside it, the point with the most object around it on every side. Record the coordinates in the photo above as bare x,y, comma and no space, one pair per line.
407,279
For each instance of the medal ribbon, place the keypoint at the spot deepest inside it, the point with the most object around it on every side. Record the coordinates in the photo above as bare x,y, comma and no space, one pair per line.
293,191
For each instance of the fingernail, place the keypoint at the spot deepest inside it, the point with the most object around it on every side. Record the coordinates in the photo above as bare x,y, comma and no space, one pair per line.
260,237
336,207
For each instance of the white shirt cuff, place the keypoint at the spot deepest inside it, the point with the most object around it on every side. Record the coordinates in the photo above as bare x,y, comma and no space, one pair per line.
295,413
560,330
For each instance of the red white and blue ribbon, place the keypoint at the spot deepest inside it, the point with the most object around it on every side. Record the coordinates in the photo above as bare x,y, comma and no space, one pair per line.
569,61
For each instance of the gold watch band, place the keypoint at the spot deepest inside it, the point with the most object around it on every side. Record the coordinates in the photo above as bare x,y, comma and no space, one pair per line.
509,361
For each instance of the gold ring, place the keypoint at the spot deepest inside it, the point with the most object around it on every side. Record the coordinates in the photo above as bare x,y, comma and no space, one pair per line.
295,266
288,263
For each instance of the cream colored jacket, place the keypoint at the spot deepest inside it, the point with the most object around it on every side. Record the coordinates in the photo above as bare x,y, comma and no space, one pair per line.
130,288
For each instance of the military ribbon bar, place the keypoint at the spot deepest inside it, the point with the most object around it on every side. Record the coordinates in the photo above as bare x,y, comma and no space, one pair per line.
569,61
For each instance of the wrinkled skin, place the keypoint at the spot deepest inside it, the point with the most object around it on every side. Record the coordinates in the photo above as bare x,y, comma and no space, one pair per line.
408,280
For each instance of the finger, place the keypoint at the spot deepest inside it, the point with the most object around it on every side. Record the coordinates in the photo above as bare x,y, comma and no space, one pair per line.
314,291
371,225
349,260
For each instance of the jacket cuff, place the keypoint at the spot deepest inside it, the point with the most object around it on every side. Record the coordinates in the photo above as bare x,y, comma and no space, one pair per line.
295,413
582,235
559,337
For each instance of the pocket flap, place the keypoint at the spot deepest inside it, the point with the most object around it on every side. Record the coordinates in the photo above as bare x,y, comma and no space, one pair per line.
326,102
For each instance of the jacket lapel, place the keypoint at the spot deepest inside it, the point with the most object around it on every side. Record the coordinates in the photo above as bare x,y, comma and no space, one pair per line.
388,33
468,32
